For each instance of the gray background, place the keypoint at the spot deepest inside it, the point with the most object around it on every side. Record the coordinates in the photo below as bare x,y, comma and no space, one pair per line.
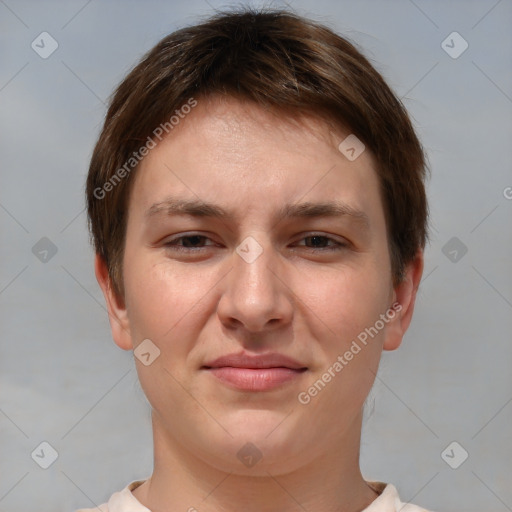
64,381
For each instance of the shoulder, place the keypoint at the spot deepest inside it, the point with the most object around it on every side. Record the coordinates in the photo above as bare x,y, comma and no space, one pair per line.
121,501
102,508
389,500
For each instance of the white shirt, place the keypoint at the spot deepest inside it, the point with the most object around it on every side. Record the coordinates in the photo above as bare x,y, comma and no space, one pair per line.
388,501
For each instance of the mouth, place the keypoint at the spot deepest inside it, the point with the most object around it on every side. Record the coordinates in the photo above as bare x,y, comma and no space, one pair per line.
255,379
255,373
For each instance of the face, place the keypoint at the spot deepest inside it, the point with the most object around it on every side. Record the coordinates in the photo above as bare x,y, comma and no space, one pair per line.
252,235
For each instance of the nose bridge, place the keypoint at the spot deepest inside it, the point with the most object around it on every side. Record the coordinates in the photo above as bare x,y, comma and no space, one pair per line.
253,266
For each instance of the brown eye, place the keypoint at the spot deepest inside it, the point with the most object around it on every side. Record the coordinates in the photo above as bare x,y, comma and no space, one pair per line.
192,241
320,242
187,242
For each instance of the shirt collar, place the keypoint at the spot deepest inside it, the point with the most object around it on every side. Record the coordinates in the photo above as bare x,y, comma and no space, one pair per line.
387,501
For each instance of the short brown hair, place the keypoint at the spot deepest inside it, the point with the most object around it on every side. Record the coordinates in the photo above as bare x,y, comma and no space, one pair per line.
277,60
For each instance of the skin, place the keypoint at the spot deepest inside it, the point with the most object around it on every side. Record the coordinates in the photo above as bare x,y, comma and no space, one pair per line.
296,298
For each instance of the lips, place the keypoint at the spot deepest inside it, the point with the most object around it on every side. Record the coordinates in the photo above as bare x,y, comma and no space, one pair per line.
273,360
255,373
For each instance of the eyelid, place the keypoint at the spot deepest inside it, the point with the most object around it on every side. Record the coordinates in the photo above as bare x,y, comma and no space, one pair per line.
337,240
181,236
334,246
338,244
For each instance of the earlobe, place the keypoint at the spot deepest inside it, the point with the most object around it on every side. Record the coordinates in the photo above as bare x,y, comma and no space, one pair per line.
117,314
404,296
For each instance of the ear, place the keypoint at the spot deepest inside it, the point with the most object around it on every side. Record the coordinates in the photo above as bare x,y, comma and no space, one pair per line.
404,296
119,323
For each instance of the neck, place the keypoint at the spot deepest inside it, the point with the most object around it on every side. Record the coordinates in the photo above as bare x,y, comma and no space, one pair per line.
331,482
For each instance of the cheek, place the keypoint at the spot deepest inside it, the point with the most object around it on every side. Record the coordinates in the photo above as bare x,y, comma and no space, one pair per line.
355,308
166,306
349,351
346,302
345,307
162,297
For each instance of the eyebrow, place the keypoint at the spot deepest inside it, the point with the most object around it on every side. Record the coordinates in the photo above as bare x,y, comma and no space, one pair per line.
197,208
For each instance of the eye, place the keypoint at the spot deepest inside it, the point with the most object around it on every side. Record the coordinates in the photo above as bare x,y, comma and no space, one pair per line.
195,242
190,242
318,243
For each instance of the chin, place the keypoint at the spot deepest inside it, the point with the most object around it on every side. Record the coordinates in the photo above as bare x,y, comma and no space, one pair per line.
267,426
253,456
261,441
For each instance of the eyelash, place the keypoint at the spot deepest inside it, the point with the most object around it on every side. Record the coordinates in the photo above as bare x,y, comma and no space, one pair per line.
172,244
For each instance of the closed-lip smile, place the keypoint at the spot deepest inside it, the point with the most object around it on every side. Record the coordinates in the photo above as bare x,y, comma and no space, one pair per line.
255,372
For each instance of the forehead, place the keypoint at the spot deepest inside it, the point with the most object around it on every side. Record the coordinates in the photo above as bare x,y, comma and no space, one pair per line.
246,158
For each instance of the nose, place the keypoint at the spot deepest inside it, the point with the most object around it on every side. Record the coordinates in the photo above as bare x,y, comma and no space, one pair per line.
256,296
